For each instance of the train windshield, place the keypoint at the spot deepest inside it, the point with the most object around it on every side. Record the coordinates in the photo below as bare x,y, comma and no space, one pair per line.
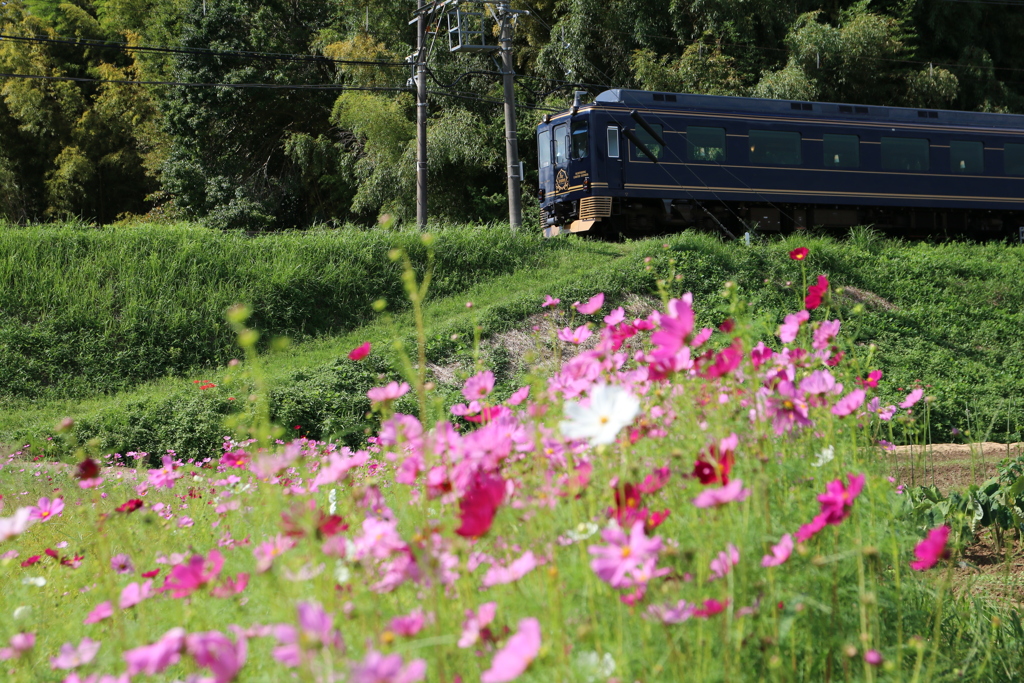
544,148
580,140
560,143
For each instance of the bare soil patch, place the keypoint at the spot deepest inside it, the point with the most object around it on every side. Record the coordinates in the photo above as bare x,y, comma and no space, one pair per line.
950,465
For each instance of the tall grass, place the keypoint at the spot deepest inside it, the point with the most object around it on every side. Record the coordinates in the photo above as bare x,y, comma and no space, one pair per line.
97,310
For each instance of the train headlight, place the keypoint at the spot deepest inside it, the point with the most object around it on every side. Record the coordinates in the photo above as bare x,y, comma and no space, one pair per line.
586,184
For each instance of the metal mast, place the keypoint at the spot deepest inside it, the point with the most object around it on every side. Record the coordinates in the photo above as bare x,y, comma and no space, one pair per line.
421,116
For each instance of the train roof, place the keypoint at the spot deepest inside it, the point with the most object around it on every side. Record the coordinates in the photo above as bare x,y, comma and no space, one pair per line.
685,101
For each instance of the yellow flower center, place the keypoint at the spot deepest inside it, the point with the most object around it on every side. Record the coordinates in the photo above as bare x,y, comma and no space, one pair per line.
626,552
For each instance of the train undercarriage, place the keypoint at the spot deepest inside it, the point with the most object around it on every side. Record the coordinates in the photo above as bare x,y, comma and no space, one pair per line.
624,217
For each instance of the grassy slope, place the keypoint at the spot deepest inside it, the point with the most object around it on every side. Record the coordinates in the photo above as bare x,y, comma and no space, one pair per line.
947,315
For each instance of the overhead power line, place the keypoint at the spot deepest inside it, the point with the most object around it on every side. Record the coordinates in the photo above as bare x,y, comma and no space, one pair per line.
276,56
268,86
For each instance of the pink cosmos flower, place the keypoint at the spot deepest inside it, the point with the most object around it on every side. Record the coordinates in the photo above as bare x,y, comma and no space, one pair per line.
518,397
817,385
409,624
122,564
577,336
849,403
267,551
615,317
836,503
873,657
165,476
16,524
72,657
733,491
932,549
231,586
760,354
378,668
825,333
214,650
726,560
389,392
152,659
780,552
46,508
669,614
519,568
379,539
185,579
512,660
479,386
315,630
787,409
624,555
102,611
912,398
134,593
338,466
360,352
791,326
475,623
592,306
20,643
550,301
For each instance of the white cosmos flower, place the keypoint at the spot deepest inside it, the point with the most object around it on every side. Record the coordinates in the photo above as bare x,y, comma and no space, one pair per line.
611,408
824,457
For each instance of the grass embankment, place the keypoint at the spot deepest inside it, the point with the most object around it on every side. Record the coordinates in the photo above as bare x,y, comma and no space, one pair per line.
103,310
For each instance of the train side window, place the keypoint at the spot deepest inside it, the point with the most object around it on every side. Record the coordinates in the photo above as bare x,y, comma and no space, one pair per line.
905,154
561,153
613,142
966,157
1013,158
775,147
705,144
841,151
649,142
544,148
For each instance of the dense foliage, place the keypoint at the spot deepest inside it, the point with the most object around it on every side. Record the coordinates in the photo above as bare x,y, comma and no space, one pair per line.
261,158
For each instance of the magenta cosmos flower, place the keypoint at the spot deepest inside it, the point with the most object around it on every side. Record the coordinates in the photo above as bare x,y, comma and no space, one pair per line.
624,555
214,650
360,352
733,491
932,549
46,508
185,579
378,668
512,660
592,306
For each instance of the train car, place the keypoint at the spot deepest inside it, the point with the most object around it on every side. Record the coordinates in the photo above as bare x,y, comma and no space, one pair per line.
635,162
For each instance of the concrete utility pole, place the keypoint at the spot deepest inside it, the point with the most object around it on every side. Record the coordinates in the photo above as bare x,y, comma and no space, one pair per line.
421,116
515,195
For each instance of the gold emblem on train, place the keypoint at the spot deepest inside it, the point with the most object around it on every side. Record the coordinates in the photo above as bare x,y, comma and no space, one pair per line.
561,181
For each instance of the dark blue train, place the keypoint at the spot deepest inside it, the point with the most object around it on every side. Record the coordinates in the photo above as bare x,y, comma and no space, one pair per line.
635,162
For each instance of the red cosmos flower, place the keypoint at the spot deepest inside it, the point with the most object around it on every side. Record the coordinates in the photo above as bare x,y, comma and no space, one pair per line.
799,254
872,380
50,552
725,361
715,467
360,352
87,469
815,293
130,505
31,561
150,574
326,525
479,504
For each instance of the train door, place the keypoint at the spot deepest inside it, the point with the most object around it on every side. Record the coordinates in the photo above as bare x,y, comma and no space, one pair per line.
560,157
613,158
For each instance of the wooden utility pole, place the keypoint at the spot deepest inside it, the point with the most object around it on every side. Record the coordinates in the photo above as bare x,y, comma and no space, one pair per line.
515,195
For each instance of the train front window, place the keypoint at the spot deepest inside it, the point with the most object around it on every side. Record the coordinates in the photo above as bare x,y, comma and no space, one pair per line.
649,142
705,144
841,151
561,153
905,154
775,147
544,148
580,140
1013,158
966,157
